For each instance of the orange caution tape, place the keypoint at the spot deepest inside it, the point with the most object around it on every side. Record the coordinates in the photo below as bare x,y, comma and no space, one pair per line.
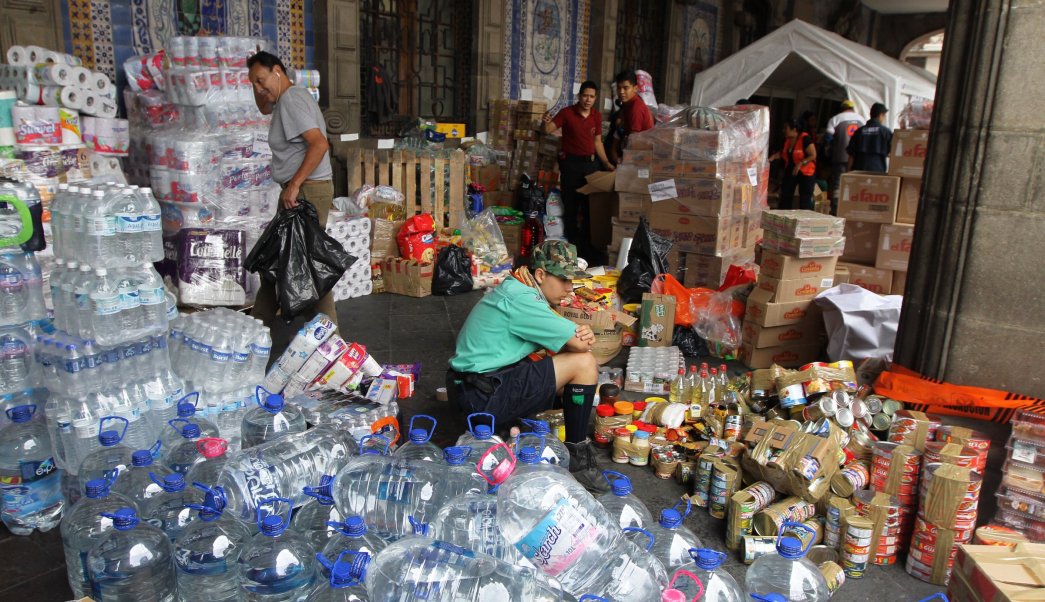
924,394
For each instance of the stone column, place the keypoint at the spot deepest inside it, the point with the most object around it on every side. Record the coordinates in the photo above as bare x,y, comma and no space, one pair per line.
603,41
974,310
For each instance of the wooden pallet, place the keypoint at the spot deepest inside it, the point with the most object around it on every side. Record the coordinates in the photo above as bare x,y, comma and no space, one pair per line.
440,192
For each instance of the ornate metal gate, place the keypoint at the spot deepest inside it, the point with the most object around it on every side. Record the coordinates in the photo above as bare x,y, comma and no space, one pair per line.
642,39
415,62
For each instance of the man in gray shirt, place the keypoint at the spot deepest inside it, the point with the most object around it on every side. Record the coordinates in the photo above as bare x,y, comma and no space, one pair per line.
300,157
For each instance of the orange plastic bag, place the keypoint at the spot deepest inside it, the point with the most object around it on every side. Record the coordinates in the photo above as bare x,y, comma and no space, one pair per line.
666,284
923,394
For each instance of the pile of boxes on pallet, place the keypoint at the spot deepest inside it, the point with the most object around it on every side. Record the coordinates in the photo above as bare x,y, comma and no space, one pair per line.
800,251
704,188
880,210
514,128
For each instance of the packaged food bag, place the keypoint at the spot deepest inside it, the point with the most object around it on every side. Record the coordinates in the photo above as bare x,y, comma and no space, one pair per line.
417,238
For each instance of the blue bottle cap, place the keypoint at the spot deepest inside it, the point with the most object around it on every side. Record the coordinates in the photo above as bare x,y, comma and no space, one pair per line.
141,457
670,518
97,488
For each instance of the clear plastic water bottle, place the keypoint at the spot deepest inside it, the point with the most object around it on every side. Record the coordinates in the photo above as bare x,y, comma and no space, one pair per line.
106,325
14,294
152,226
111,459
352,535
260,350
18,371
59,301
554,451
133,561
282,468
671,540
170,511
418,568
84,524
319,519
152,296
83,284
31,480
719,585
99,230
34,279
419,444
207,552
277,564
129,317
623,506
479,436
273,419
170,435
470,521
463,477
183,455
137,483
123,206
788,572
560,528
214,451
345,583
529,457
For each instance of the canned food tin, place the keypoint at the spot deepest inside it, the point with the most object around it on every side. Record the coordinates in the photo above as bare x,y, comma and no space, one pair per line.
791,396
808,467
881,421
873,403
756,546
684,472
854,570
844,417
890,407
833,575
884,560
840,398
853,477
858,408
859,529
820,554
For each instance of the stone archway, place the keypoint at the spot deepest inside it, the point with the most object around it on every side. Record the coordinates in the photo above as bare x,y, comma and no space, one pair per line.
925,51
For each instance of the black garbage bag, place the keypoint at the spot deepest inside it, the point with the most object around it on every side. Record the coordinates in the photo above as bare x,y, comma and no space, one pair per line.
299,258
689,342
453,272
647,257
529,196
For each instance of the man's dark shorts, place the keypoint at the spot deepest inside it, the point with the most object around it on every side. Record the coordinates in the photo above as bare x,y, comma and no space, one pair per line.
520,390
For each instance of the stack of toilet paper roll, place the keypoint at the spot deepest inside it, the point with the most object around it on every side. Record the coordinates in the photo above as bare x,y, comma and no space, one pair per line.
44,77
354,235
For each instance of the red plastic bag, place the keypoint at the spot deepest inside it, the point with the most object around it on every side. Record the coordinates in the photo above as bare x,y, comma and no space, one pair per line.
417,238
738,275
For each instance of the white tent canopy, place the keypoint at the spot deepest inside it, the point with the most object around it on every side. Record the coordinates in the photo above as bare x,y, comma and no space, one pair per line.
800,60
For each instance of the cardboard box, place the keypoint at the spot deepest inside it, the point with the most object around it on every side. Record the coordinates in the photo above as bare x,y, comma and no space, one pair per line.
632,178
699,234
787,267
907,157
870,278
861,242
894,247
512,235
407,277
708,271
631,206
801,223
841,274
899,283
760,337
869,197
998,573
801,289
788,356
830,246
602,208
607,325
699,196
383,238
657,320
620,231
764,312
907,205
452,130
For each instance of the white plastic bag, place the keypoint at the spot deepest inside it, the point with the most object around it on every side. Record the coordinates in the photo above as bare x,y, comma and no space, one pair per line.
860,324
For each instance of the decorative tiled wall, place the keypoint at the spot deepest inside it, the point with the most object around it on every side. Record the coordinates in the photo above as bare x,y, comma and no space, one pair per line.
105,33
545,48
699,42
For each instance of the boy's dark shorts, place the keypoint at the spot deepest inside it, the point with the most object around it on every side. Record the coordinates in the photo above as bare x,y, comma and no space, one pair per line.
519,390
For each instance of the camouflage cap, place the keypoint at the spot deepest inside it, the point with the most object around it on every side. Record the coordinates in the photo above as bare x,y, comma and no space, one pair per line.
558,258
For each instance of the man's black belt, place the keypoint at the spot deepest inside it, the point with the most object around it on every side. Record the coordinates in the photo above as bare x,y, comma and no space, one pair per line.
578,157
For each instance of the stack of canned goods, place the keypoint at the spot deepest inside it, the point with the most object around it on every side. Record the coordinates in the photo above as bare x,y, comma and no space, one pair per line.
951,453
886,508
856,547
853,477
894,470
725,477
700,494
937,533
913,428
744,505
973,442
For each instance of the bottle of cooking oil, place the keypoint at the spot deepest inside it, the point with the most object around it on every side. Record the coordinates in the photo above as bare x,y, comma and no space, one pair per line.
696,396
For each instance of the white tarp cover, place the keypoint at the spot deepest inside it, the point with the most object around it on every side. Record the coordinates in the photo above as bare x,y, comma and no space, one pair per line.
867,75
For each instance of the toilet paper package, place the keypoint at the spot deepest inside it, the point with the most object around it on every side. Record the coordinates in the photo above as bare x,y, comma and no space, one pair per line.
36,126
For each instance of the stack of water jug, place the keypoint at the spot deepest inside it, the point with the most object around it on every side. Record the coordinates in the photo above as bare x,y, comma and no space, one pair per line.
312,514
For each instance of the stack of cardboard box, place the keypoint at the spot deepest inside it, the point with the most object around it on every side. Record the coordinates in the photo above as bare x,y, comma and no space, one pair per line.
514,129
704,189
782,325
880,210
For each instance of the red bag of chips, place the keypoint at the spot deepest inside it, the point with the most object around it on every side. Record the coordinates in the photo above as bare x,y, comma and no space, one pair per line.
417,238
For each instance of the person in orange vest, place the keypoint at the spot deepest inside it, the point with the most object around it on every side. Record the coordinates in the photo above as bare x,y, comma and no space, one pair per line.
799,157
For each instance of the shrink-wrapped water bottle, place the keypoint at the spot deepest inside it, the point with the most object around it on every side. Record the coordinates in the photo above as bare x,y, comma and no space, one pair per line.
30,481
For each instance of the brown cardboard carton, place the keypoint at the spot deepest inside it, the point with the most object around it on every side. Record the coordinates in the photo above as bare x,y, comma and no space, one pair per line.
631,206
620,231
407,277
632,178
841,274
998,573
788,356
831,246
607,326
803,289
602,208
868,197
801,223
693,144
708,235
870,278
663,169
907,157
708,271
383,238
699,196
764,312
657,321
861,242
907,205
894,247
899,283
752,228
512,235
760,337
786,267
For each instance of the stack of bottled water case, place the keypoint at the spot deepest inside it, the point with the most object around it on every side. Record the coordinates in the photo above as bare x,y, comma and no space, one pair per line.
222,354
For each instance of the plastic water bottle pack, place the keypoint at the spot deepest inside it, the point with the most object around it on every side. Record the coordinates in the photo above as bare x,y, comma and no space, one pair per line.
113,224
220,349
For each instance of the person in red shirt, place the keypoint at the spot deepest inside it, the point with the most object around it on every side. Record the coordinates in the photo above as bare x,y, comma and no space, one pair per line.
799,157
633,116
581,154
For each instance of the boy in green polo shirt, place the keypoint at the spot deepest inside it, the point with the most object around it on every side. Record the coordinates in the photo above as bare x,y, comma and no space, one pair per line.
493,371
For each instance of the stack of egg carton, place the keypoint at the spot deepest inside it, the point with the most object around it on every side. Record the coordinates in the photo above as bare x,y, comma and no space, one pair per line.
354,235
